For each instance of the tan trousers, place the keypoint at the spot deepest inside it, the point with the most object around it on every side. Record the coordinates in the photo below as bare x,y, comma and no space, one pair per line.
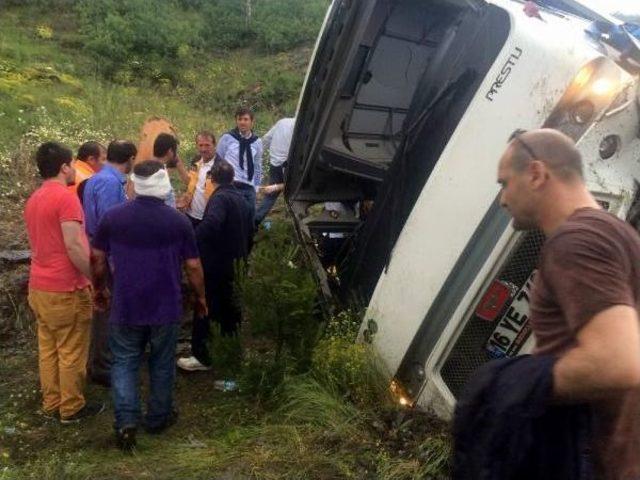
64,326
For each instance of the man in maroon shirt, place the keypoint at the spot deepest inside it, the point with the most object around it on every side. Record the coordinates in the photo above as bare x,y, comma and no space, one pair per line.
584,306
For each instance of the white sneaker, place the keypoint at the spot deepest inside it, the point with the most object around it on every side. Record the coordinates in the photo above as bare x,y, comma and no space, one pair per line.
191,364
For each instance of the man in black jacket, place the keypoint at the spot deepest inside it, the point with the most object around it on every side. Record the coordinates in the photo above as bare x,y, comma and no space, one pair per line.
224,237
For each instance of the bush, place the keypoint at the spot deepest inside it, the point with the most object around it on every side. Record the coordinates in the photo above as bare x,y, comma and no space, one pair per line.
283,24
304,401
279,90
350,368
226,25
262,375
226,352
279,295
272,25
137,38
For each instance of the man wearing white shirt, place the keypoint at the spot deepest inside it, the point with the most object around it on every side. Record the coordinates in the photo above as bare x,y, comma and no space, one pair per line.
278,141
243,150
200,188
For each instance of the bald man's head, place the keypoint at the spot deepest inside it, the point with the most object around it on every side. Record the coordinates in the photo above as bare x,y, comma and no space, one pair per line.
535,167
551,147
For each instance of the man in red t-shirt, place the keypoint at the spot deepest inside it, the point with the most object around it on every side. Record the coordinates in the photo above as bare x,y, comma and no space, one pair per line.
585,297
59,286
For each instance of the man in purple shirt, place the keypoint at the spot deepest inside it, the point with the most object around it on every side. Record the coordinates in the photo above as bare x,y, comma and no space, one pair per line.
147,243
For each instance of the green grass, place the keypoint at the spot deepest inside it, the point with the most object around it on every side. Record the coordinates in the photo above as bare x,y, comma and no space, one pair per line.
313,433
50,90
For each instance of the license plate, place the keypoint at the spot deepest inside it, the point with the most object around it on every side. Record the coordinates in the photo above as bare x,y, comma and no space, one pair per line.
513,329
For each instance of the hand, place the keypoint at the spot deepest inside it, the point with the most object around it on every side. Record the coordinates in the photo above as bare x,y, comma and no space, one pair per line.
175,163
101,299
182,203
366,207
269,189
201,307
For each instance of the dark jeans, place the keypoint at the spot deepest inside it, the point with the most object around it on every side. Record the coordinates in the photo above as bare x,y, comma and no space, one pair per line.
276,176
223,309
194,221
99,365
127,346
249,194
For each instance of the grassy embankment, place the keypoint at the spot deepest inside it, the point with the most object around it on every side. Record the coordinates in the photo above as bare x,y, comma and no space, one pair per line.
333,421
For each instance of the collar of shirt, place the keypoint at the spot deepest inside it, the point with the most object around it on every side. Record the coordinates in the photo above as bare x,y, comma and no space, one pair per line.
110,169
52,183
84,167
149,200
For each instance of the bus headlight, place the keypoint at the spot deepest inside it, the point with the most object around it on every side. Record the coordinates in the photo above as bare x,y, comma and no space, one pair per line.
399,394
590,93
604,86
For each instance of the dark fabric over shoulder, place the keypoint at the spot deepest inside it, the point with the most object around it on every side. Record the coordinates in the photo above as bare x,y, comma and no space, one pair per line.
224,234
245,151
504,427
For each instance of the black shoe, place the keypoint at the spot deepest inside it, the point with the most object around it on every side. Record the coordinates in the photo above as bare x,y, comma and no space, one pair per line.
89,410
126,439
156,429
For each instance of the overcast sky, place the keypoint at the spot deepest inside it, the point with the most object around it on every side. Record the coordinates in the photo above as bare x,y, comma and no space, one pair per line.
612,6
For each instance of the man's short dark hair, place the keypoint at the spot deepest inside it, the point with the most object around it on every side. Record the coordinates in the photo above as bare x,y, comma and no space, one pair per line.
163,143
208,134
222,172
121,151
89,149
50,157
146,168
242,111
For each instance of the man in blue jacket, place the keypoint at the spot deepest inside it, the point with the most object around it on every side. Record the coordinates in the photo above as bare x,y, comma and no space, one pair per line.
103,191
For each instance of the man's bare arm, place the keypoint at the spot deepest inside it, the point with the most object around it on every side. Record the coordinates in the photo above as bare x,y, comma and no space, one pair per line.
195,276
269,189
99,267
183,172
606,359
72,233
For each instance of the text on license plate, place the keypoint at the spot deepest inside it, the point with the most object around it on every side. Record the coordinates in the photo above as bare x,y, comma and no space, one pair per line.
513,329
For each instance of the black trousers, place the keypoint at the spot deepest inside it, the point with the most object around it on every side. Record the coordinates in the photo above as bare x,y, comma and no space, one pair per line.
194,221
100,358
223,309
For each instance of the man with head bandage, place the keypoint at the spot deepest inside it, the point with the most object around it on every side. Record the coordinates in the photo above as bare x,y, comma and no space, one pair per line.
148,243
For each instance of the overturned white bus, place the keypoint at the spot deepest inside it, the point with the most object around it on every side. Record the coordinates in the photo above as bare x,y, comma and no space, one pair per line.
405,111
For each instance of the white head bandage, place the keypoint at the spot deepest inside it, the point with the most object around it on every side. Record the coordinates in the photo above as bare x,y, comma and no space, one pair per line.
157,185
